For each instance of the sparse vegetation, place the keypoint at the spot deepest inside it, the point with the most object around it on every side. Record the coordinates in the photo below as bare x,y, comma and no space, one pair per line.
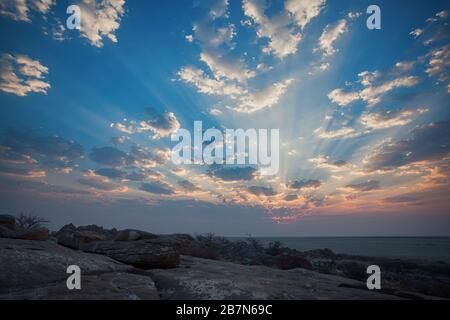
30,221
275,248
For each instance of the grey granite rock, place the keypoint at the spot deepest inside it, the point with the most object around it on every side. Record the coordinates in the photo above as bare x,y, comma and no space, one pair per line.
198,278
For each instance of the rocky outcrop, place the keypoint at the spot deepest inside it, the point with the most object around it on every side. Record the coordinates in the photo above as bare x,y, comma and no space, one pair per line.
203,279
134,247
37,270
143,254
10,229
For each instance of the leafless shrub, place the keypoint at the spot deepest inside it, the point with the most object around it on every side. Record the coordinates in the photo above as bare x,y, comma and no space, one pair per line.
30,221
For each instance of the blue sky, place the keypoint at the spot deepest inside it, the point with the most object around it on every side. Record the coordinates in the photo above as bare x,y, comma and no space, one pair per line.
86,115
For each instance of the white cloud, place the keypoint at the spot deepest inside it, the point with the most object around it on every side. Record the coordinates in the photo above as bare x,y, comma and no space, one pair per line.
416,33
342,98
354,15
283,40
372,94
19,9
344,132
207,85
388,119
330,35
214,112
439,62
264,98
230,69
304,11
324,66
21,75
324,162
442,14
101,19
405,65
373,89
189,38
218,8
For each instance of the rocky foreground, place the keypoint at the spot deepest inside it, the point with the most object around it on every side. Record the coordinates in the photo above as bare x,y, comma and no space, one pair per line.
132,264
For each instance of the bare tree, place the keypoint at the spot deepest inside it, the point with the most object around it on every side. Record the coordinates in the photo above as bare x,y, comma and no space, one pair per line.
30,221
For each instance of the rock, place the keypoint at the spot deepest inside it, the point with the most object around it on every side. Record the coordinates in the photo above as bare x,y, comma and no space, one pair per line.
107,286
9,229
39,234
6,232
145,254
37,270
7,221
292,260
208,279
75,239
133,235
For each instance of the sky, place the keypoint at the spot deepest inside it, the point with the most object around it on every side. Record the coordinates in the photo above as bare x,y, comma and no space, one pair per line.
87,114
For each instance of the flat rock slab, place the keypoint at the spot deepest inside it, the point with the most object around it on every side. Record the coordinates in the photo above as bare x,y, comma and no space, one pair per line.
203,279
107,286
37,270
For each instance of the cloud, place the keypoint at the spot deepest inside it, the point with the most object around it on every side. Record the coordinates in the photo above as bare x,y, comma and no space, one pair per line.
344,132
161,124
49,153
232,173
388,119
219,8
19,9
149,158
442,14
262,191
439,63
324,162
416,33
206,85
342,98
101,19
110,156
215,112
20,170
157,187
265,98
405,198
304,11
100,183
405,65
9,185
304,184
364,186
111,173
427,143
230,69
330,35
188,186
354,15
373,88
21,75
283,40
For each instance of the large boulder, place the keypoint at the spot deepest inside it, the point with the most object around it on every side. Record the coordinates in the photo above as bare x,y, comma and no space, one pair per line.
145,254
133,235
201,279
75,239
38,234
7,221
37,270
